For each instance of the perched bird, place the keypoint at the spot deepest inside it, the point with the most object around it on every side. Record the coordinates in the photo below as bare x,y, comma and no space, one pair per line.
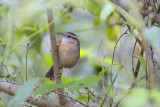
68,52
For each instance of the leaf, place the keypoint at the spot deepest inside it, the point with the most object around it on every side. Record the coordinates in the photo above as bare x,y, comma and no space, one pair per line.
93,7
50,87
88,82
1,39
22,41
8,76
67,21
30,47
96,21
124,23
15,71
142,61
48,59
33,41
23,93
111,33
106,11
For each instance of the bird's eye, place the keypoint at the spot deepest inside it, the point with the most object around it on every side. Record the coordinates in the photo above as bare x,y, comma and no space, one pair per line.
69,36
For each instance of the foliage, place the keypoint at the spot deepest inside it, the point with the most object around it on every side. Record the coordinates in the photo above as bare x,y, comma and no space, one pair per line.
107,49
87,82
23,93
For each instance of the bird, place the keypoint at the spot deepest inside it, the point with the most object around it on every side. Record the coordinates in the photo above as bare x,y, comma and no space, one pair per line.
68,52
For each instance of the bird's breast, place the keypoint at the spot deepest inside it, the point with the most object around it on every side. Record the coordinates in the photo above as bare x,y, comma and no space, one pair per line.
68,54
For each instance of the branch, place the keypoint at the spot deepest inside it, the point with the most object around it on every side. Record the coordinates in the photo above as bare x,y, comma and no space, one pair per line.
55,58
121,4
38,100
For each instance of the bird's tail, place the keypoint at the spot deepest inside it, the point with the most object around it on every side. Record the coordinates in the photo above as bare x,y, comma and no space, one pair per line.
50,74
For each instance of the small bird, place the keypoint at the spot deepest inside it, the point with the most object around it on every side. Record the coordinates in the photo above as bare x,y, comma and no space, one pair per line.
68,52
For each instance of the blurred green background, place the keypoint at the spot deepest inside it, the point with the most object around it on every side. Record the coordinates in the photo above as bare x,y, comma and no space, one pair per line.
97,25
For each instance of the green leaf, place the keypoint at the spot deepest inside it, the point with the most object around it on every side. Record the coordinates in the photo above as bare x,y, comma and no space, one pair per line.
67,21
8,76
1,39
33,41
48,59
106,11
111,33
88,82
23,93
96,21
142,61
22,41
93,7
50,87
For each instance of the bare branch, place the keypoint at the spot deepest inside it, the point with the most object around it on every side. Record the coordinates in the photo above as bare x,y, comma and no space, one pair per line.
121,4
55,58
38,100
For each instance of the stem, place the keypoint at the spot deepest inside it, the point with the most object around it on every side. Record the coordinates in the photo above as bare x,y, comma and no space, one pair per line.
26,61
62,99
2,63
111,86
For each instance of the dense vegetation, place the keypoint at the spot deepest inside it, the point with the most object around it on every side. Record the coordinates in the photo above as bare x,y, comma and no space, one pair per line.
119,61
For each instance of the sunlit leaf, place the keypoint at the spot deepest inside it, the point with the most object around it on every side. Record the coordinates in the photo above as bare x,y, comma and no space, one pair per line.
1,39
106,11
23,93
97,21
48,59
67,21
93,7
111,33
82,53
66,79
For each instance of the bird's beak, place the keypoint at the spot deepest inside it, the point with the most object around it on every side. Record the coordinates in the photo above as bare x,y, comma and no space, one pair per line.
61,34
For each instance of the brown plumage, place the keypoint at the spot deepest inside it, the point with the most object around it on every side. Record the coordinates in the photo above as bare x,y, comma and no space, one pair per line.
68,52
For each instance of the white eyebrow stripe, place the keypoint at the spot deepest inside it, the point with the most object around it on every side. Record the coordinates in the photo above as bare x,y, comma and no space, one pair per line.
72,36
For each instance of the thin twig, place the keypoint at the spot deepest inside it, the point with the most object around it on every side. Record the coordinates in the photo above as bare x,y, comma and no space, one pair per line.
115,48
3,51
26,59
102,66
137,70
133,57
